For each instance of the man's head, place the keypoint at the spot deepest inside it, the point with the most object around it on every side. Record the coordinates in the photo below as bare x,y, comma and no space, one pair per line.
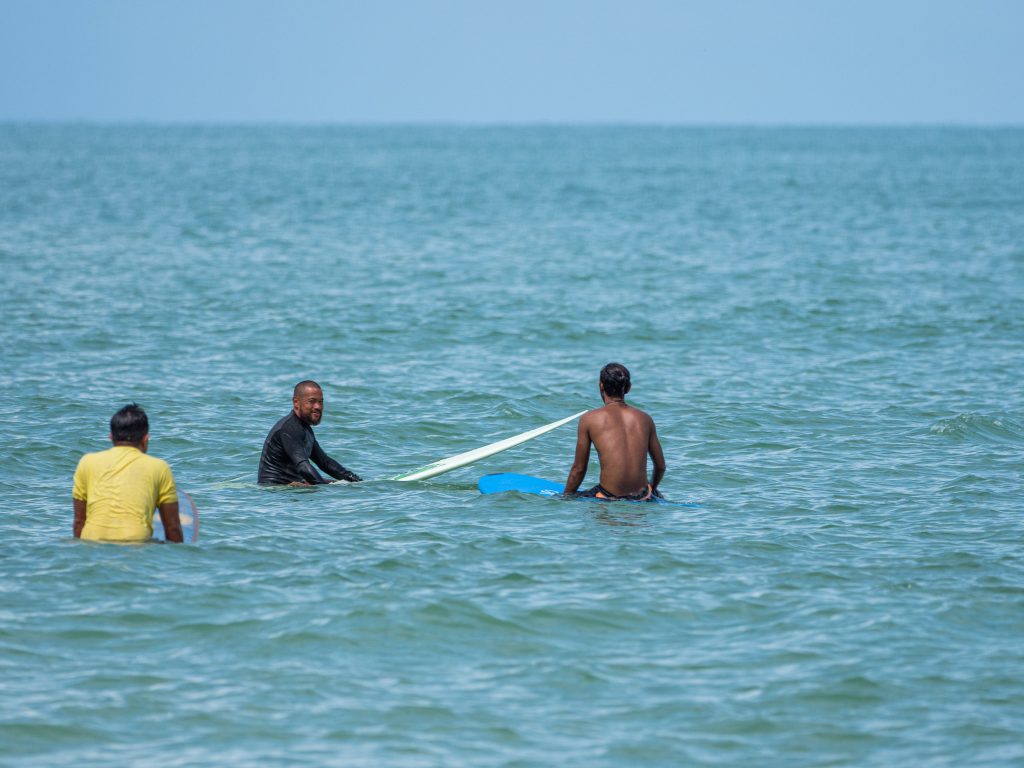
308,402
130,426
615,380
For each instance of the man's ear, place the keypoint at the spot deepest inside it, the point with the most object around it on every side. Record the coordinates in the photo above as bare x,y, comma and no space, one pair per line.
629,386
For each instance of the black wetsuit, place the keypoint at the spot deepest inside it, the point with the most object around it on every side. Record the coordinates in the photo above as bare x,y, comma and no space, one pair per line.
287,452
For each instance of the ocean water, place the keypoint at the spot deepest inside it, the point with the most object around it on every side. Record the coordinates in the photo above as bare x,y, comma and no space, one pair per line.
827,326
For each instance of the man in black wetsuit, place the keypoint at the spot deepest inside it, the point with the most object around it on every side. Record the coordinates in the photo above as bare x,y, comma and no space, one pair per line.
291,445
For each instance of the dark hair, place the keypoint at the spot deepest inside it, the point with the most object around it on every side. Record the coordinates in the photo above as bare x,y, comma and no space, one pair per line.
129,425
615,379
303,384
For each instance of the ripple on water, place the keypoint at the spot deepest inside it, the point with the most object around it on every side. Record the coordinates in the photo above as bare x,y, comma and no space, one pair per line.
981,428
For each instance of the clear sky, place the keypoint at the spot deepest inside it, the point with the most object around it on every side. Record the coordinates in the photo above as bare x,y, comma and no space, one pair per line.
514,61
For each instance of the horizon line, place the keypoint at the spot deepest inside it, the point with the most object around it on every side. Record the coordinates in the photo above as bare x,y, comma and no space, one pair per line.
289,123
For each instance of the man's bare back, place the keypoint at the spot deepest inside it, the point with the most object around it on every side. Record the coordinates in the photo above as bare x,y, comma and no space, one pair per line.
624,437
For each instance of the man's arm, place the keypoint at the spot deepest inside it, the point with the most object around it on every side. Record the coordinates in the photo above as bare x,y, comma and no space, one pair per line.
79,524
172,522
295,449
332,467
582,458
654,448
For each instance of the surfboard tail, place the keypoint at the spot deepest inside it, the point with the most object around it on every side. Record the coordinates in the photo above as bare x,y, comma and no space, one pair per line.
190,532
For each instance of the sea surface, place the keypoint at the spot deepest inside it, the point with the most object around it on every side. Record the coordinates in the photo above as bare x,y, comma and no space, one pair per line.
827,325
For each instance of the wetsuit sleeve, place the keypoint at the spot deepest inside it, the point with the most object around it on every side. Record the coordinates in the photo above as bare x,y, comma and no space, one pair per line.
295,449
331,467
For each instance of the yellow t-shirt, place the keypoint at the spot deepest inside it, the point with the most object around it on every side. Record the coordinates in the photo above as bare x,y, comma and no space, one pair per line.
121,487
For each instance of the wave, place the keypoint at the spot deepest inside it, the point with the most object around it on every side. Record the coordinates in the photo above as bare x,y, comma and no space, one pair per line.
981,427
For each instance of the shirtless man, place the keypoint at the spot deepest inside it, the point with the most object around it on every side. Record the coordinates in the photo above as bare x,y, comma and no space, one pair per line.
291,448
623,436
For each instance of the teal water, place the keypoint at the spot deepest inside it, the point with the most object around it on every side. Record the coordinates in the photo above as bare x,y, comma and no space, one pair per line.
826,324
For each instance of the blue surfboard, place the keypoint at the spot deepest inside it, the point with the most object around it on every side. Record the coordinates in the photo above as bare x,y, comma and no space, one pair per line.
507,481
504,482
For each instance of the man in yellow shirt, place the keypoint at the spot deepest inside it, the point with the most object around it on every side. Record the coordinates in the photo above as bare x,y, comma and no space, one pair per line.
116,490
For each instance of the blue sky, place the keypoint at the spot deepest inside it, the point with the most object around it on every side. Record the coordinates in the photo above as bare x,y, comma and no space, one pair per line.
514,61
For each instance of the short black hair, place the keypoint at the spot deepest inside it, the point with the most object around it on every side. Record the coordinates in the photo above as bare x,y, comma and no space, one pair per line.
129,425
303,384
615,379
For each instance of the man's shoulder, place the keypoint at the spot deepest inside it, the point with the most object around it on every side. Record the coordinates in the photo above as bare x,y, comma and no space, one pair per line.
629,414
286,422
155,464
640,413
605,409
643,417
102,461
155,460
96,457
88,460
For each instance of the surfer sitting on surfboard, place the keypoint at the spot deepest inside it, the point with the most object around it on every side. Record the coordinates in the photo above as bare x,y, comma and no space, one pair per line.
291,445
623,436
116,490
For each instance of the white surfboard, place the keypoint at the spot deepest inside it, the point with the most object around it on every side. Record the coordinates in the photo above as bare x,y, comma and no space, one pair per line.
188,513
462,459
